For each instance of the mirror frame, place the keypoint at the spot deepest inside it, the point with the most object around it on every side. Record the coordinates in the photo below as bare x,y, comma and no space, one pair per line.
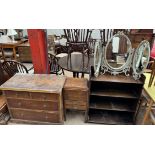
125,68
97,63
137,75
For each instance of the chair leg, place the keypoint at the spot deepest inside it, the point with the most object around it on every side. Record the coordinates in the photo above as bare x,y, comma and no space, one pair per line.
147,111
151,78
82,75
74,74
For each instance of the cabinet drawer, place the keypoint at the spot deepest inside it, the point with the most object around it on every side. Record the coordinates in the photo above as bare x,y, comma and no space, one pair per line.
75,107
32,95
31,115
32,104
76,95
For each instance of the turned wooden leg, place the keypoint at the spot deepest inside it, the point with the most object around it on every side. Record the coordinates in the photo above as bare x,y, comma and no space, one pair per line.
14,53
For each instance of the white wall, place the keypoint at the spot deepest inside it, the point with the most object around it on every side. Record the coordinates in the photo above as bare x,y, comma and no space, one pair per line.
95,33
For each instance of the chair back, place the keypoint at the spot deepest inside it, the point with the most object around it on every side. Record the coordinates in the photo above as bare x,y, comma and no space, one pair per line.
77,39
125,31
105,35
12,67
54,66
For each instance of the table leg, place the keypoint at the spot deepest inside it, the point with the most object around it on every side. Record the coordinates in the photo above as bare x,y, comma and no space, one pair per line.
14,53
147,111
82,75
74,74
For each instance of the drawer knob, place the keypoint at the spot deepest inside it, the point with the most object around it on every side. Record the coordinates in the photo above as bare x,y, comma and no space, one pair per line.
44,105
19,103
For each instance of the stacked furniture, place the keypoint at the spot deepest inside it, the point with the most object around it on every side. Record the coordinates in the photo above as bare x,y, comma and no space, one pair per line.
137,37
114,99
75,93
24,52
34,98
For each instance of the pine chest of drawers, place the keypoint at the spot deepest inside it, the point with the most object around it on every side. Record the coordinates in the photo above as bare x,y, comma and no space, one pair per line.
34,98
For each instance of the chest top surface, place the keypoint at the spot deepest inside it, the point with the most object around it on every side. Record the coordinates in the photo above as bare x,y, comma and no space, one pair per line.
35,83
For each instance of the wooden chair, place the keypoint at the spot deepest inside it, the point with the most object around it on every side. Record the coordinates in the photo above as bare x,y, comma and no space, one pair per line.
125,31
91,46
55,68
12,67
152,74
77,40
105,35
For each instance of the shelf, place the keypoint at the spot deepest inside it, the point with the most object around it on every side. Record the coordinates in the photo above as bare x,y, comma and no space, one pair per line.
114,93
106,117
116,79
114,106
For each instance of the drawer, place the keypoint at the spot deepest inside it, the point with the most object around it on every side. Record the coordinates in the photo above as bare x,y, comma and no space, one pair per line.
32,95
52,117
75,95
75,105
32,104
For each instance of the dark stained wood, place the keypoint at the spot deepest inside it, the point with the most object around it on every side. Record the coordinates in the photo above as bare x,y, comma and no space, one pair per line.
112,106
152,75
113,99
106,117
76,64
55,68
12,67
114,93
117,79
137,37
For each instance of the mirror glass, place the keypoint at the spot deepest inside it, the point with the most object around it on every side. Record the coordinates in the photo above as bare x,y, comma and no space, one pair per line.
142,56
118,51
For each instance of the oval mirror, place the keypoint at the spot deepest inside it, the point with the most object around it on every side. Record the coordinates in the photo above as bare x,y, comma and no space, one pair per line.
141,59
118,54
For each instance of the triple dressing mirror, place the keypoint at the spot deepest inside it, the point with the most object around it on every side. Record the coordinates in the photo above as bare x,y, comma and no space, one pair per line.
119,57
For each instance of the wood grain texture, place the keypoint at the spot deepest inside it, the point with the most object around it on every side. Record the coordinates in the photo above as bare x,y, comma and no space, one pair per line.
75,93
36,98
35,83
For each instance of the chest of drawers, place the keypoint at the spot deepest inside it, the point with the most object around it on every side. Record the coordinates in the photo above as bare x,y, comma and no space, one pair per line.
34,98
75,93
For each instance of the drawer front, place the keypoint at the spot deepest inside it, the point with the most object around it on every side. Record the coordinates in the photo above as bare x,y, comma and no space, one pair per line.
76,95
32,104
75,105
32,95
35,115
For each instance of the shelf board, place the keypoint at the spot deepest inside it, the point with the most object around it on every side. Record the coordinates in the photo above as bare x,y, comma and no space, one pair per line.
116,79
105,117
114,106
114,93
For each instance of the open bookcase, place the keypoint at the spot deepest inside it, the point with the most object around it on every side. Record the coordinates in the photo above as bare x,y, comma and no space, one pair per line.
113,99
